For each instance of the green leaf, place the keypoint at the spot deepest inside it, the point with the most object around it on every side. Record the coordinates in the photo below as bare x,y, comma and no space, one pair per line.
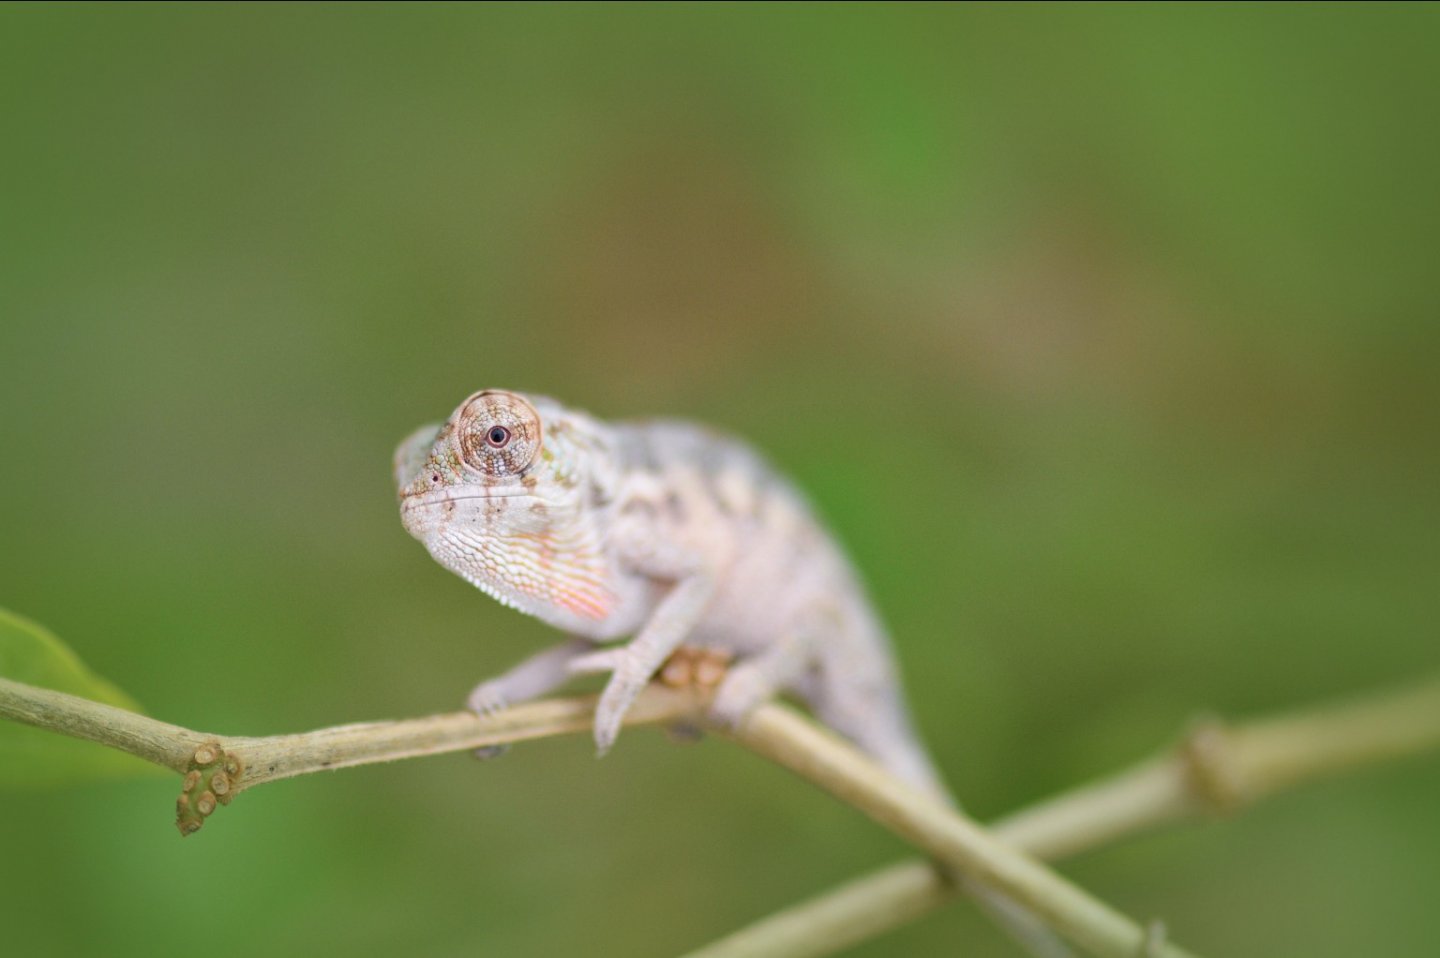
35,757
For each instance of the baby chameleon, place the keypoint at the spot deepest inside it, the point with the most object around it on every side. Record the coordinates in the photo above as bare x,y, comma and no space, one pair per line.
664,531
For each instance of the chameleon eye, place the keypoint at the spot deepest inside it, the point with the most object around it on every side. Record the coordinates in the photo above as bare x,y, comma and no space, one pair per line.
497,434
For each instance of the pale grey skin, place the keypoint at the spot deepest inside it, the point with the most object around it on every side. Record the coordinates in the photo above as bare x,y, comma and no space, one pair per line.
664,531
675,535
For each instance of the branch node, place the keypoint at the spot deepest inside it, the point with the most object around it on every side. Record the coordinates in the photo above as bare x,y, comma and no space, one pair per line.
209,781
1211,768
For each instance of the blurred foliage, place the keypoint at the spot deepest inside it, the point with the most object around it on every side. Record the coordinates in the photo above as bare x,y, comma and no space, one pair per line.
1105,335
32,756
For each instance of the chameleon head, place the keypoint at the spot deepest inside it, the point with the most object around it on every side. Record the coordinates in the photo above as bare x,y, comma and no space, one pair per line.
463,473
498,502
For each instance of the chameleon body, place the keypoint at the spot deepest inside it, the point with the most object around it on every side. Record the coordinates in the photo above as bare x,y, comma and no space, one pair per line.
665,532
672,534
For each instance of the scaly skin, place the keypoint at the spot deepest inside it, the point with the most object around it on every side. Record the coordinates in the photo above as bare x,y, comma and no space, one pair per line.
663,531
670,533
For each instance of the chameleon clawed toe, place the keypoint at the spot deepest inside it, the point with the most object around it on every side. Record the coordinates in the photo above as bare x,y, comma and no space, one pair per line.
487,699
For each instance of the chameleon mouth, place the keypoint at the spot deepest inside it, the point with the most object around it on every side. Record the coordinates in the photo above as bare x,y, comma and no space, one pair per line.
435,497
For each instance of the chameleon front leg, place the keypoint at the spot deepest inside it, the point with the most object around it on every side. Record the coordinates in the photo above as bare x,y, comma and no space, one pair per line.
540,673
642,549
543,672
632,665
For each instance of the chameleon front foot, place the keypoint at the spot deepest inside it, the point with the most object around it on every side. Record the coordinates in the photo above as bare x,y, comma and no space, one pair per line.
487,699
537,675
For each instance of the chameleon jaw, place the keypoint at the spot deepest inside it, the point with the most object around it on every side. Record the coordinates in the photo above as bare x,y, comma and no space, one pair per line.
431,497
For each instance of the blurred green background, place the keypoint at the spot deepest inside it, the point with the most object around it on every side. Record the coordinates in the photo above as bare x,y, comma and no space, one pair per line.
1142,300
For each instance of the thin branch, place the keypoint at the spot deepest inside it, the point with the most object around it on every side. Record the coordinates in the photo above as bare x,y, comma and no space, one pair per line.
1214,770
166,745
842,917
821,756
283,756
216,768
268,758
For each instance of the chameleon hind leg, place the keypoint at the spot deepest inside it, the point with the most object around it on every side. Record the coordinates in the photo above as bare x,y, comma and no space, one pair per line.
757,678
856,697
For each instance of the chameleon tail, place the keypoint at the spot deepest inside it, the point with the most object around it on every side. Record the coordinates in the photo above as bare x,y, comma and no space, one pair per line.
894,744
888,735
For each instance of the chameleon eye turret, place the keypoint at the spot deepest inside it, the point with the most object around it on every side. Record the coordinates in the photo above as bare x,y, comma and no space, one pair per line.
498,434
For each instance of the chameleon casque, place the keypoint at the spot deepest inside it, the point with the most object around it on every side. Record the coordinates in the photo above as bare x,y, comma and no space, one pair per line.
678,536
660,530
